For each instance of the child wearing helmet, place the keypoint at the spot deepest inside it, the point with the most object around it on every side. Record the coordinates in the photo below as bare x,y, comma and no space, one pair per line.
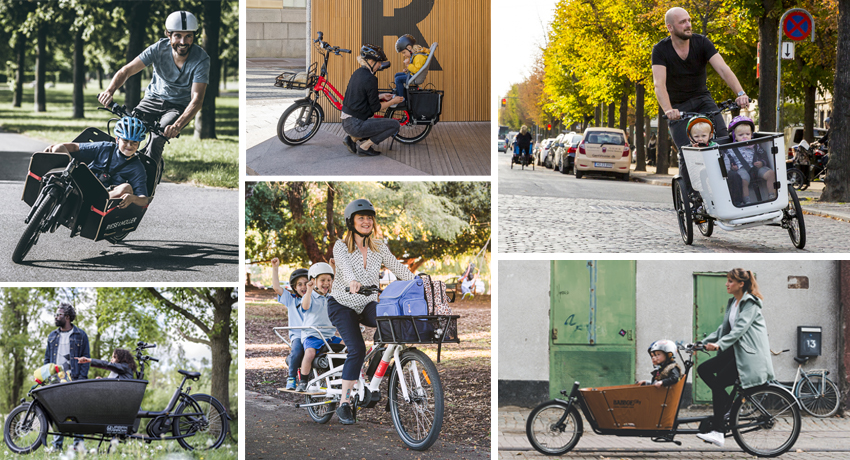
362,101
292,299
314,307
414,58
701,132
747,162
116,165
666,372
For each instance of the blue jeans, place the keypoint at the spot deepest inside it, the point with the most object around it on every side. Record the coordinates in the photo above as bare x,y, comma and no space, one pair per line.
347,322
400,80
295,357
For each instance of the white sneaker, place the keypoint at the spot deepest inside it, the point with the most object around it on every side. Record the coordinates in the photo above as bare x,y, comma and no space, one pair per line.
714,437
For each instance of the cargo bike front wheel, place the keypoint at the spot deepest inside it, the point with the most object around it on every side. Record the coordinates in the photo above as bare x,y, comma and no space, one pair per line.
553,428
418,421
300,122
34,228
25,430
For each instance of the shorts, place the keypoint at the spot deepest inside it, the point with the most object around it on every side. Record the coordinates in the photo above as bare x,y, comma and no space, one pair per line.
746,176
317,343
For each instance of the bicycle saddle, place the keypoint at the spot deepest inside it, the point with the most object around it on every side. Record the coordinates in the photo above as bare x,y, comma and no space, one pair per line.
801,360
335,348
191,375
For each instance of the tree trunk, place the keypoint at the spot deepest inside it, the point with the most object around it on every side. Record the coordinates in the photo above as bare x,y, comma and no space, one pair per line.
18,328
768,25
624,106
138,17
639,140
838,178
205,121
20,62
597,115
809,114
294,196
220,346
329,217
100,78
662,152
40,68
79,74
611,114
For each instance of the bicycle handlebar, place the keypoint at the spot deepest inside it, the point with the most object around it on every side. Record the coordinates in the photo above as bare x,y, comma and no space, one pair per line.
326,46
728,104
366,290
121,111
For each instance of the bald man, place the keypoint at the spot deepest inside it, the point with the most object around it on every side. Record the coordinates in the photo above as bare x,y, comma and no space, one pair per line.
678,69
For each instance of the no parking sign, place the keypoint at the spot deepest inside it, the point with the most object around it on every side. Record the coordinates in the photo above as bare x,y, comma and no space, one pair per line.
798,25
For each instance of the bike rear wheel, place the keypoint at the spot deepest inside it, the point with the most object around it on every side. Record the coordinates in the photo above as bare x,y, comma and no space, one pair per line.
818,395
796,179
408,133
419,421
323,413
766,422
208,430
299,123
33,229
548,433
683,211
794,220
24,434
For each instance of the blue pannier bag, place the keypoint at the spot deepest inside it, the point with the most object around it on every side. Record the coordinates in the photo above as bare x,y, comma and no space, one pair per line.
404,298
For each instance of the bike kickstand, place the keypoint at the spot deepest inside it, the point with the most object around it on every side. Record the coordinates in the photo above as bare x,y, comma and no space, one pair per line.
392,140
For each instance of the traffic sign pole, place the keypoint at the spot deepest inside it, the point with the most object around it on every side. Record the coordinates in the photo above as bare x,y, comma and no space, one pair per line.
798,25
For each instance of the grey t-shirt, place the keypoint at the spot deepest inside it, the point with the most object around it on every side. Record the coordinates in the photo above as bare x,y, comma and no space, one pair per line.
169,82
64,348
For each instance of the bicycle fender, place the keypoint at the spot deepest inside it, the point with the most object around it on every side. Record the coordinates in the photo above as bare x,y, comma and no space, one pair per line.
307,100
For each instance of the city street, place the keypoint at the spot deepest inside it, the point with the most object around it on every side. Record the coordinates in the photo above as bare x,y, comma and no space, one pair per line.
545,211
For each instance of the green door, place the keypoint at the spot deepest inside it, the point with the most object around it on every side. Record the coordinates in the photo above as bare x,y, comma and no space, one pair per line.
710,299
592,319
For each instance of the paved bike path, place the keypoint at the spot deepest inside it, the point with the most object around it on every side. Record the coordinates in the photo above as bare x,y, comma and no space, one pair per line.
275,429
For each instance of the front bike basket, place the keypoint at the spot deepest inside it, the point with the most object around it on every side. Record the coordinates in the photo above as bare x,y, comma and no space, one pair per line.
424,329
298,80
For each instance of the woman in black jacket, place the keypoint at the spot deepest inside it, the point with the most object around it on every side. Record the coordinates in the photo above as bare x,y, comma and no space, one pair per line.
121,366
523,140
362,101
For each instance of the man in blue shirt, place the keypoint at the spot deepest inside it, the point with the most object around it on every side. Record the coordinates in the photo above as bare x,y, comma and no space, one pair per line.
115,164
180,77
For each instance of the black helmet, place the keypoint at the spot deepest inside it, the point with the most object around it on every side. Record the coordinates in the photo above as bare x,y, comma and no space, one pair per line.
403,42
373,52
298,273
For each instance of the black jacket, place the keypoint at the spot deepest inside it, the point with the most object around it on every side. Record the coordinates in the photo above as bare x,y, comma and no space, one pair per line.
121,370
668,374
361,96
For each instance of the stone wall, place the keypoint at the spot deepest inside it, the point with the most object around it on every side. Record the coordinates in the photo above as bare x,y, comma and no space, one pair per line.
276,28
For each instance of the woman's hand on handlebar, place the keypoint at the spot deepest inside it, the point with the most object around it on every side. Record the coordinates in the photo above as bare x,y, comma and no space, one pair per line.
353,287
711,347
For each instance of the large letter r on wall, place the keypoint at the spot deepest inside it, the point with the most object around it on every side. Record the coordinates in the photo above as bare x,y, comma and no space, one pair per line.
376,26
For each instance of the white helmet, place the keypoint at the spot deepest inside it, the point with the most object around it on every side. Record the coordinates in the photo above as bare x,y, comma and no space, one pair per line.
664,345
181,21
319,268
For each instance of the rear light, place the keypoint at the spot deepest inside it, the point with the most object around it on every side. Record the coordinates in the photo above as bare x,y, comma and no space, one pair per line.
571,150
626,150
581,148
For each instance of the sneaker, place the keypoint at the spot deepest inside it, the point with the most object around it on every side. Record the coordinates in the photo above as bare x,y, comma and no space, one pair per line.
290,383
302,386
715,437
345,415
370,152
349,143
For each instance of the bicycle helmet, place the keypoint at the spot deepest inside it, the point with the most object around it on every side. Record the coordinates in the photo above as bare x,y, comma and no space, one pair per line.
667,346
828,119
359,206
373,52
696,120
181,21
319,268
403,42
298,273
131,129
739,120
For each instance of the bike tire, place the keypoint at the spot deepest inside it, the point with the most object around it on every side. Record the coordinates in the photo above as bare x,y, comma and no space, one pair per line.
818,395
794,220
795,178
299,123
707,227
208,431
33,229
320,414
23,434
765,422
426,398
543,423
408,133
683,211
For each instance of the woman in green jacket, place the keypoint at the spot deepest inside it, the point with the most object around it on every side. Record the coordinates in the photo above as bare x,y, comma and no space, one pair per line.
742,346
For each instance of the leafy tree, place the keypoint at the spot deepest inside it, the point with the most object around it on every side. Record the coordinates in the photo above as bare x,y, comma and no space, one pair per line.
205,119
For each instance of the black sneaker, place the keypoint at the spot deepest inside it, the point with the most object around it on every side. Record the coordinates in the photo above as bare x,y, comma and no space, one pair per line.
349,143
345,415
370,152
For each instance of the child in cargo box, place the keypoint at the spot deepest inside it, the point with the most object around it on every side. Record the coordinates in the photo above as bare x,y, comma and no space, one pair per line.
666,372
120,366
755,162
292,299
314,307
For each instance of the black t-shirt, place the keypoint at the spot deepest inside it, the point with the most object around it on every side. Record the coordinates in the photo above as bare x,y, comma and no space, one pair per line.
685,79
523,140
361,96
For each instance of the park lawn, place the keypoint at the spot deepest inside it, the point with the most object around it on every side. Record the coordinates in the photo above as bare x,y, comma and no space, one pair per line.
210,162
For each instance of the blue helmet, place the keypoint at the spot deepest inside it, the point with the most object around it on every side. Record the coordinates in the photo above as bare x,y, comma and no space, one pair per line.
131,129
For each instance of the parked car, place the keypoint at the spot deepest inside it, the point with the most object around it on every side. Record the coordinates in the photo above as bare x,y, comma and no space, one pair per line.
794,135
502,145
541,153
549,159
603,151
565,156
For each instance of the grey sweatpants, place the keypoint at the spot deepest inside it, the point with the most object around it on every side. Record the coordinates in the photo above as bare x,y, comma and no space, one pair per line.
376,129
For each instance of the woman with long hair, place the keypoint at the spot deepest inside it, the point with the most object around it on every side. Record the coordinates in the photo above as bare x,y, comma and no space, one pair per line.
743,349
358,257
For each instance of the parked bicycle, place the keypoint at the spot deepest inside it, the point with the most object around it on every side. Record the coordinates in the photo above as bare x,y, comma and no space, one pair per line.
817,394
415,391
100,409
765,420
302,120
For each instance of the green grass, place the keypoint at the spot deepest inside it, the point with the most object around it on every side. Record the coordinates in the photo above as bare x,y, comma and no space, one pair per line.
211,162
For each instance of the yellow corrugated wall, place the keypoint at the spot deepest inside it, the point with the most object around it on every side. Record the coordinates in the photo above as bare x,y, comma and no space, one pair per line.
461,27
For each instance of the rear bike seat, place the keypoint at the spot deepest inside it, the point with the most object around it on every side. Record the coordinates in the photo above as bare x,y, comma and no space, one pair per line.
335,348
191,375
800,360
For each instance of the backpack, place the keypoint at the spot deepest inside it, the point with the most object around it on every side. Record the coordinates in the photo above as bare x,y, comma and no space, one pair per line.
436,297
399,299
